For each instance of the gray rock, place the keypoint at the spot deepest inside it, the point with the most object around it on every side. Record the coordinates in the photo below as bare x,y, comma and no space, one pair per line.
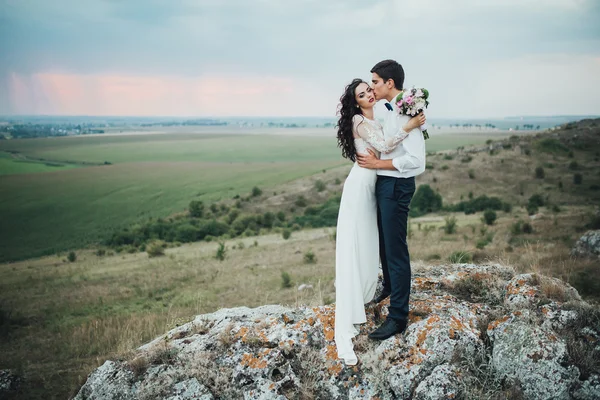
588,245
190,389
8,381
112,381
441,384
531,355
589,390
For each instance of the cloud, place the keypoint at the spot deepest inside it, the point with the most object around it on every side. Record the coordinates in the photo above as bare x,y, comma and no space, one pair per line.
322,45
116,95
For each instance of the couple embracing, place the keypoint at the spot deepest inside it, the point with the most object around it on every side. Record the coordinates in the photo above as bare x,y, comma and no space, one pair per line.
373,216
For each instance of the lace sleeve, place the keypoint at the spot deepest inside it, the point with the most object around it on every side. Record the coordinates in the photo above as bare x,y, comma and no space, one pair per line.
375,137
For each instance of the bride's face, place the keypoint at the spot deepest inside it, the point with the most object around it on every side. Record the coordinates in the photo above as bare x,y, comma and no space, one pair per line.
364,96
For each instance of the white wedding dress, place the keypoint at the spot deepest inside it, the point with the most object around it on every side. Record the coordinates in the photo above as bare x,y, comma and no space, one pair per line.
357,238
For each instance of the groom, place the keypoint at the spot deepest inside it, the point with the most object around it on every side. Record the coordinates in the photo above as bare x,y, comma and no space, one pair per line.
395,187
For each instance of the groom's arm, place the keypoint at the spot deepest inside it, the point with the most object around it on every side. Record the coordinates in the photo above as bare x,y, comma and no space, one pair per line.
404,163
371,161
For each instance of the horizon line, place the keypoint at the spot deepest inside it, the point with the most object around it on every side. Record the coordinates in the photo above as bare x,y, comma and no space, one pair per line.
280,116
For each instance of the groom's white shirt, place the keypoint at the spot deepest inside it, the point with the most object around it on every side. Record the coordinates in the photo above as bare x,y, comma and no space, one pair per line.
409,157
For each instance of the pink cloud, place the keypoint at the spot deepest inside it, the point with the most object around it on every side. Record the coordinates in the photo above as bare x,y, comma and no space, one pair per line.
113,94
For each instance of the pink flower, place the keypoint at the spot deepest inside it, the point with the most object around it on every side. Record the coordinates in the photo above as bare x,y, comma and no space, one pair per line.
409,100
399,104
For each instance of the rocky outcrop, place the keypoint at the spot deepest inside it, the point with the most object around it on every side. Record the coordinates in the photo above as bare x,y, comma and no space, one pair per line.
588,245
475,331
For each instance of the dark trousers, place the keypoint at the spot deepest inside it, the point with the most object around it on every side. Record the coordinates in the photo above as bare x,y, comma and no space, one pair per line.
393,199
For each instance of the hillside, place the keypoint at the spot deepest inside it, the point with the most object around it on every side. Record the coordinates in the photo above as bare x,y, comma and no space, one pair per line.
112,299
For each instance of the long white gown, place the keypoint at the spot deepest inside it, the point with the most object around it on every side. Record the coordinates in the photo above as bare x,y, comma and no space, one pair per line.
357,238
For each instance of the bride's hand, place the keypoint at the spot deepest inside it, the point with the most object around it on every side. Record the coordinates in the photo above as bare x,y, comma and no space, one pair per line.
415,122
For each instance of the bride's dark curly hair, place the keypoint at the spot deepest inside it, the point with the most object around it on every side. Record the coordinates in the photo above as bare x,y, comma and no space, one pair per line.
347,109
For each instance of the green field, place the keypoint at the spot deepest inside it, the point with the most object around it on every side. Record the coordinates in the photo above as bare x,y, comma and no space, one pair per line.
11,165
48,210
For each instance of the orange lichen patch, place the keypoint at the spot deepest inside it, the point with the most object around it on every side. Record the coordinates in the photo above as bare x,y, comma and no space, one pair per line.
414,357
242,333
412,318
424,283
518,288
546,311
426,329
327,319
311,321
335,369
286,319
494,324
263,336
331,352
456,324
248,360
272,386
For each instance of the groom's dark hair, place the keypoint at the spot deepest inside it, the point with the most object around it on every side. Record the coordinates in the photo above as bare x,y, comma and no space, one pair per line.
390,69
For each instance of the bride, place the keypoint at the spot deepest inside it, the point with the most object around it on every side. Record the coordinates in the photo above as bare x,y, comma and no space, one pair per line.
357,241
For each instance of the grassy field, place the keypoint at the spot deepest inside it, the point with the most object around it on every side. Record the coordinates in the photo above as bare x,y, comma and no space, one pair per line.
10,165
151,175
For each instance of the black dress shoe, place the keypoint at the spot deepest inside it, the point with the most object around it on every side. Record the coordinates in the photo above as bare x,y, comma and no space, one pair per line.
388,329
381,297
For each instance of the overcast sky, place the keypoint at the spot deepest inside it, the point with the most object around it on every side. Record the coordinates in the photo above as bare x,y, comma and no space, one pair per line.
478,58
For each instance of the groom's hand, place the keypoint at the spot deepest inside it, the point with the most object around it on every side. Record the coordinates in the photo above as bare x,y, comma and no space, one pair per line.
369,161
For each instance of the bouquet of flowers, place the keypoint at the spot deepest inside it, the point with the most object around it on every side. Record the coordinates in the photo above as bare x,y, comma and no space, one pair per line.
413,101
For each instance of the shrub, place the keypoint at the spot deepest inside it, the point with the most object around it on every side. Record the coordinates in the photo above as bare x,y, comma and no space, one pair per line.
489,217
577,178
241,245
480,203
551,145
459,257
286,234
286,280
256,191
573,165
268,219
72,256
337,181
320,216
539,173
100,252
320,185
187,233
221,252
471,174
527,228
424,201
155,249
309,257
537,200
450,226
301,202
281,216
466,159
532,209
196,208
444,167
